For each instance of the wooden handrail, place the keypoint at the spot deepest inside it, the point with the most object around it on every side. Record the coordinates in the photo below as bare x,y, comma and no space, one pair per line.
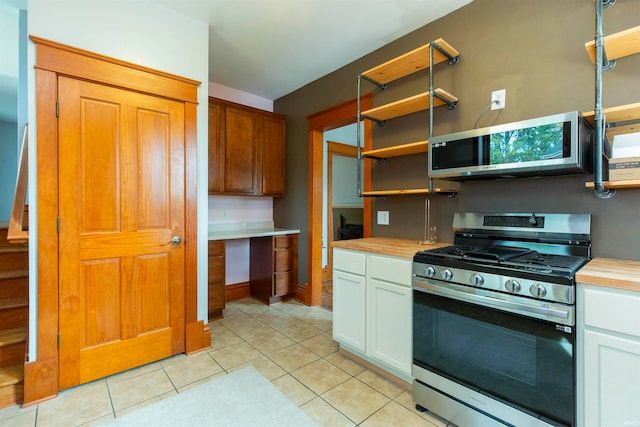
16,232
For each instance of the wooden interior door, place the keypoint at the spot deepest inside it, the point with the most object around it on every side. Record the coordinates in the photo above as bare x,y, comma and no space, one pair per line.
121,201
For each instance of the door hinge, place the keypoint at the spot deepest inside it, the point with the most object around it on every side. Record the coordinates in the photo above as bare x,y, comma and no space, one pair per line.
57,108
58,339
58,225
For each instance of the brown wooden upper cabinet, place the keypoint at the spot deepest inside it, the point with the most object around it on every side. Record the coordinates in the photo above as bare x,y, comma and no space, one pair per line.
246,150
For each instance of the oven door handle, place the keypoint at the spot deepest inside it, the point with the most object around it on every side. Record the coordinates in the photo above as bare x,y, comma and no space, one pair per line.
462,294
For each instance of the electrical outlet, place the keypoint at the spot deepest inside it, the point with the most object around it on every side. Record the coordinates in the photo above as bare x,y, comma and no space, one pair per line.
498,99
383,217
225,213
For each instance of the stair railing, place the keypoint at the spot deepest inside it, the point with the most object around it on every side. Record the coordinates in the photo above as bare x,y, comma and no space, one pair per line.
17,233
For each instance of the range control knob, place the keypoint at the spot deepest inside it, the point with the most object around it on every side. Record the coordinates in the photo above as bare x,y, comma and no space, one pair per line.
538,290
430,271
512,285
446,274
476,279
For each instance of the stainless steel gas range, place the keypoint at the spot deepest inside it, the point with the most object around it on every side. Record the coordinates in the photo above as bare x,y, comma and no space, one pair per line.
494,319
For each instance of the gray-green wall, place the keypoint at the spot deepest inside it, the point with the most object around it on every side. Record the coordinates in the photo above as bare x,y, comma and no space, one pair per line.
532,48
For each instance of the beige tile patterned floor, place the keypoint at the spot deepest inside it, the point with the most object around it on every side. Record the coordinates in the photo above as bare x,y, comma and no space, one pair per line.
290,344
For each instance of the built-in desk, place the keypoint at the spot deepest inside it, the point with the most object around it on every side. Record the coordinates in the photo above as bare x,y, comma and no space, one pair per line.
273,263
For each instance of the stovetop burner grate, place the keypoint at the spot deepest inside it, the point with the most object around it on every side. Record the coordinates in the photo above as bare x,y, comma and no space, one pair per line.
515,257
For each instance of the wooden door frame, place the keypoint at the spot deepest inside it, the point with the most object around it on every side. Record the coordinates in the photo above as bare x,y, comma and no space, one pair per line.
332,118
338,149
41,377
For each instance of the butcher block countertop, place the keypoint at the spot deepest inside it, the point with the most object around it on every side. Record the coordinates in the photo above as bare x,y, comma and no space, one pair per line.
386,246
612,273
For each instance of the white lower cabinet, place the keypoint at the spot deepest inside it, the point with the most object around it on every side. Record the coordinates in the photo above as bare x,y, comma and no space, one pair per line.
609,366
376,306
349,309
349,298
389,324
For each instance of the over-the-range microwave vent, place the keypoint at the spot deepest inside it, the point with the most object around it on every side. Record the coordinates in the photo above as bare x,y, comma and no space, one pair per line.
553,145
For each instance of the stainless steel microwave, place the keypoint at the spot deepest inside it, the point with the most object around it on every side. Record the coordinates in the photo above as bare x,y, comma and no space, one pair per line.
552,145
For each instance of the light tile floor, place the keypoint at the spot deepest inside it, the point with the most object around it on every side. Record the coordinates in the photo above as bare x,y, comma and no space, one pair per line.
289,343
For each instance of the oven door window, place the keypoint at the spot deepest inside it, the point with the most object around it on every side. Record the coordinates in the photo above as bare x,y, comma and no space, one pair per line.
521,361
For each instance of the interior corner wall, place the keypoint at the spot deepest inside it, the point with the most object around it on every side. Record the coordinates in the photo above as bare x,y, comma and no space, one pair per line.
143,33
532,48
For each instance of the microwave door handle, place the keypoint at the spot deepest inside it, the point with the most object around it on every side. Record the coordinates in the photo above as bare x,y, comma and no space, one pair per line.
465,295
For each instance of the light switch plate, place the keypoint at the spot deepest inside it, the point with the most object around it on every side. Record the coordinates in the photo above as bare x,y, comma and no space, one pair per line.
383,217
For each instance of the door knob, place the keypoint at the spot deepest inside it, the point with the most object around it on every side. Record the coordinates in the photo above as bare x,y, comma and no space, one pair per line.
175,241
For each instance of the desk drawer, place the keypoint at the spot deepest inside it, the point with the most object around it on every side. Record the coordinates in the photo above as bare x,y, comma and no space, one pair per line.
283,260
284,241
283,283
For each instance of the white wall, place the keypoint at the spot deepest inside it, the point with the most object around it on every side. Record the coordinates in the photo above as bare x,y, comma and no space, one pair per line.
234,95
137,31
9,33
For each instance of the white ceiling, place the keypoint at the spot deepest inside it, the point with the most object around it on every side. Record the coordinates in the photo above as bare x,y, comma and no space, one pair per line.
272,47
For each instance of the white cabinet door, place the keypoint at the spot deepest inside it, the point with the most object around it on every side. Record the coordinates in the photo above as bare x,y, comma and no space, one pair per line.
611,380
349,309
389,336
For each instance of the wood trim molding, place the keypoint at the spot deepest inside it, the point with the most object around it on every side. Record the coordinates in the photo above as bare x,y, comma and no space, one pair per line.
198,337
237,291
71,61
301,293
340,115
42,378
191,214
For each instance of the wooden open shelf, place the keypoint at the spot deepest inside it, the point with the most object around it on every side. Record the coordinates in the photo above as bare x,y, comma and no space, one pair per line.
632,183
410,62
405,106
618,45
398,150
379,193
619,114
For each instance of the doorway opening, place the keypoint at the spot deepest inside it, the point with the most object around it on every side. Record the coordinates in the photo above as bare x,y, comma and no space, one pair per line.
338,116
342,210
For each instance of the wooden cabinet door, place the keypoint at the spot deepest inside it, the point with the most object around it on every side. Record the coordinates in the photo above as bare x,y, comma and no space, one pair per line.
121,179
216,148
240,152
216,281
273,129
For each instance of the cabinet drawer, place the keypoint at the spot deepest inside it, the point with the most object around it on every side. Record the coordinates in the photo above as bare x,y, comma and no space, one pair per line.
285,241
216,269
283,260
612,309
216,247
349,261
282,283
395,270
